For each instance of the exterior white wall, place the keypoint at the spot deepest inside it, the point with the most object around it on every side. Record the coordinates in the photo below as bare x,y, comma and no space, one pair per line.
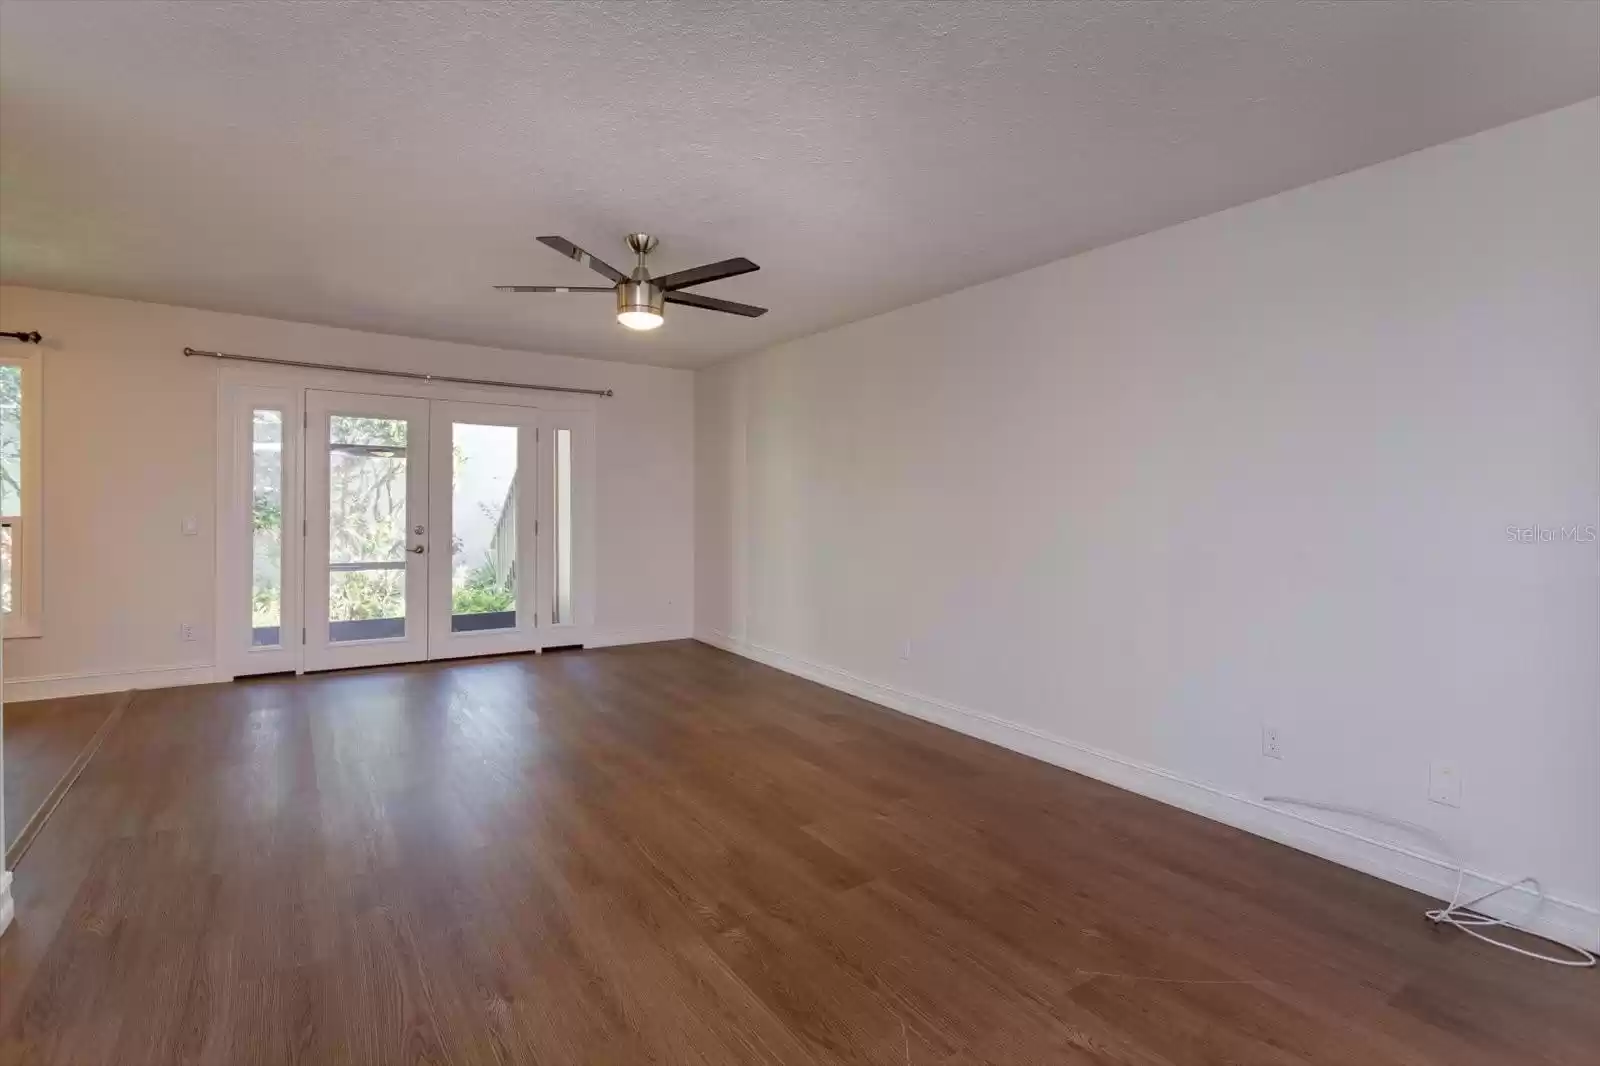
129,450
1124,509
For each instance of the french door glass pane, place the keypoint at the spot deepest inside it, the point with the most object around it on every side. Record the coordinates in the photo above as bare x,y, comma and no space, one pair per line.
483,517
367,604
366,527
266,529
563,516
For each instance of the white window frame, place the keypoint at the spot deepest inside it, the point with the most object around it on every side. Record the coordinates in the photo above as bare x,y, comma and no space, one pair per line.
27,541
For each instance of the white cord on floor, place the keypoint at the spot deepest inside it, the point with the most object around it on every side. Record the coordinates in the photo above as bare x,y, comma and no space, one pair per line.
1458,913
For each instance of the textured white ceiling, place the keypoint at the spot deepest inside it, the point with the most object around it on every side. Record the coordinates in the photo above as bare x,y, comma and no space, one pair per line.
381,165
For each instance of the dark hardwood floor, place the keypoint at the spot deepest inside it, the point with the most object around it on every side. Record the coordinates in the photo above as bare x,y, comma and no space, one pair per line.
43,739
667,854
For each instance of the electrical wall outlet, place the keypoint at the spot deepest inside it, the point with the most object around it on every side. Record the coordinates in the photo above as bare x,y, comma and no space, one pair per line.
185,631
1444,783
1270,747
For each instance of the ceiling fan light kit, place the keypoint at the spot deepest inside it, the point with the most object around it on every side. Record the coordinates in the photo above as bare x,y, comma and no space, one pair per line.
642,299
640,302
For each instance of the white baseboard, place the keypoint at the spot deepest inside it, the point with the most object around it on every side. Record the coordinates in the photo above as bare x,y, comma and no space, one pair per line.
54,686
607,638
1563,920
7,906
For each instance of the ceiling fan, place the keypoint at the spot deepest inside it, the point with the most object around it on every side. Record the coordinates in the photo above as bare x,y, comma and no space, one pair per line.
641,299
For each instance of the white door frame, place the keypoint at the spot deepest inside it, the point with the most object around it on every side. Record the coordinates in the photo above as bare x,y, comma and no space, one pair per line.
283,385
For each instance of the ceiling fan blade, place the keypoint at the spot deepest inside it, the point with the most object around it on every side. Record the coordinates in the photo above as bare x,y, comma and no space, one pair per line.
711,303
556,288
573,252
699,275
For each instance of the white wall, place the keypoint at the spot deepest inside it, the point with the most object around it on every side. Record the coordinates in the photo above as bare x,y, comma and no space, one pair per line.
7,905
1256,468
129,449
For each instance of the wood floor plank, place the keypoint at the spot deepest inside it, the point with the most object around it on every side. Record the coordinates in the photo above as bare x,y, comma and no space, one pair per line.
44,739
665,854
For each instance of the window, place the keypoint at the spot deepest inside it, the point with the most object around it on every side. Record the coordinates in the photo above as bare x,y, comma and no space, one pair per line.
483,526
266,527
19,493
367,466
562,614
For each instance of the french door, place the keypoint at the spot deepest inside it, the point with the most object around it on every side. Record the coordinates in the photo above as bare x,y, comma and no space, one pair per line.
366,530
427,528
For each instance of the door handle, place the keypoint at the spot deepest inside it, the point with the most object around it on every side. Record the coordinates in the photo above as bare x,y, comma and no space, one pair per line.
415,551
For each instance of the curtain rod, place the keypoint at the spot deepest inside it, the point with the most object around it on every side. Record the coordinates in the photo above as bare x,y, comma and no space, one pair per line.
192,352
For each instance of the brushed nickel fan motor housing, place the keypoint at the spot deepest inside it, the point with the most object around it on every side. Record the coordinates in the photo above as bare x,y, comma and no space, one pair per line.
639,293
